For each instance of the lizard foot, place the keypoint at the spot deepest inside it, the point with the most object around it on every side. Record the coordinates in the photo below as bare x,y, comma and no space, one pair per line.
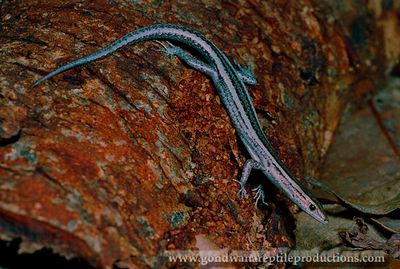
259,195
242,193
167,48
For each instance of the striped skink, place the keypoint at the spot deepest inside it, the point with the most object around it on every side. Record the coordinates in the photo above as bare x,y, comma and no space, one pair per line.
229,79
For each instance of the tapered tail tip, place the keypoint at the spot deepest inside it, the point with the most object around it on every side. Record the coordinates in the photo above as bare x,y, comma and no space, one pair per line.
37,82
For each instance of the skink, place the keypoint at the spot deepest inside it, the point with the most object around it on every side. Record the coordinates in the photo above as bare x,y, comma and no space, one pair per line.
229,80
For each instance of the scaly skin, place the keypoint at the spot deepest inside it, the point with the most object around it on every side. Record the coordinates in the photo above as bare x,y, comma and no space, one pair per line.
228,79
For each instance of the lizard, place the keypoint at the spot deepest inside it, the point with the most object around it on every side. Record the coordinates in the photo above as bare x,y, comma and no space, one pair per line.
229,80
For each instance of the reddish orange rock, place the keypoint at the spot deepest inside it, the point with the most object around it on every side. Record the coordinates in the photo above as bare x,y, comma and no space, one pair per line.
109,161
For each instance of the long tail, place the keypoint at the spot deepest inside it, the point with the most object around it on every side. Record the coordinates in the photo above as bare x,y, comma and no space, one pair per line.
159,31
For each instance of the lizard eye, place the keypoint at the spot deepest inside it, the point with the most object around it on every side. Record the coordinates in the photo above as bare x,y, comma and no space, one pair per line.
312,207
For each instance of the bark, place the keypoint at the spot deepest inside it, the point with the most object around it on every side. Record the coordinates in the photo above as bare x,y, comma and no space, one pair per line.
124,158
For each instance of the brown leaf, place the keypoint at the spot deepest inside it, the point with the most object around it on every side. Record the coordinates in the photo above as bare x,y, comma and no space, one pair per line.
358,237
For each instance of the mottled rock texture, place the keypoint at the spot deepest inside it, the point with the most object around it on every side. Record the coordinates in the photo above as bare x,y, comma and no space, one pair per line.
119,160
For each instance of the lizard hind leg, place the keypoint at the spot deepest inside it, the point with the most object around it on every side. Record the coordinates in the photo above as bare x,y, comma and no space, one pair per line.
247,77
171,50
244,73
167,48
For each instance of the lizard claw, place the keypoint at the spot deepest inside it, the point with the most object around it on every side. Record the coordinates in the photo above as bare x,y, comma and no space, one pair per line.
242,193
259,195
167,48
